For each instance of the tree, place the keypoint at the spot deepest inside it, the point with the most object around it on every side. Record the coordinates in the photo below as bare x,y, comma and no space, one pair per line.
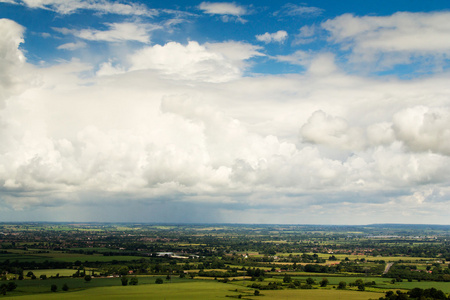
133,281
124,280
287,279
342,285
159,280
43,277
11,286
256,293
3,289
65,287
310,281
87,278
324,282
54,288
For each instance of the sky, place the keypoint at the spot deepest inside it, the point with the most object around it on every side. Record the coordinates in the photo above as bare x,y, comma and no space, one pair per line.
281,112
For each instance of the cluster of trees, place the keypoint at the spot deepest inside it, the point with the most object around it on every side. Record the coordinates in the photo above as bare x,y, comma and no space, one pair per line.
269,286
438,273
416,293
132,281
8,287
54,287
227,274
17,267
227,240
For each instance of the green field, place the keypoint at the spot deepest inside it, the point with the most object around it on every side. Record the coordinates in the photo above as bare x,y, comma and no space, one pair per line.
188,290
443,286
21,256
318,295
224,261
367,257
196,290
51,272
25,287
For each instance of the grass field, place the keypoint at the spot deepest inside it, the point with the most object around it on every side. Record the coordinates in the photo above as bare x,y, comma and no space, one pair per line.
21,256
443,286
51,272
367,257
191,290
75,284
318,295
186,291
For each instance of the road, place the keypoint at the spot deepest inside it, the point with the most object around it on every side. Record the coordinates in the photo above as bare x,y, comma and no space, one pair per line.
388,266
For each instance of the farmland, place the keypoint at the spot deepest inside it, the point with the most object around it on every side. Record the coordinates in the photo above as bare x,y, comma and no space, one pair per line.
96,260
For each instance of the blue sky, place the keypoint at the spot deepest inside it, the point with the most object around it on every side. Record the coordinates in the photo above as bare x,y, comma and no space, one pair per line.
317,112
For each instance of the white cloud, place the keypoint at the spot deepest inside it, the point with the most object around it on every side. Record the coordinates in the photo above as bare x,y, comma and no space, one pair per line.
332,131
305,35
424,128
11,57
318,64
118,32
299,10
279,37
72,46
395,39
223,8
181,123
299,57
107,69
229,12
102,6
210,62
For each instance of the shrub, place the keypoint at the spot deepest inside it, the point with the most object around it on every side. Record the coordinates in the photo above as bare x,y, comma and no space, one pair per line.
133,281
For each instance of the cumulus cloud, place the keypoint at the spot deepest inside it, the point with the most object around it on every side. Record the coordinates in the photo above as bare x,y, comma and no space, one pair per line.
210,62
118,32
103,6
331,131
179,124
11,57
394,39
420,129
228,11
278,37
424,128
